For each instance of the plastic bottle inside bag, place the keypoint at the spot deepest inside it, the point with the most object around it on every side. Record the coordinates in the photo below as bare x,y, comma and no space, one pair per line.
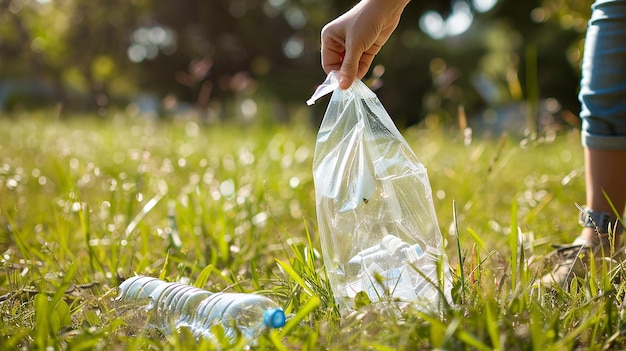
377,222
387,258
391,252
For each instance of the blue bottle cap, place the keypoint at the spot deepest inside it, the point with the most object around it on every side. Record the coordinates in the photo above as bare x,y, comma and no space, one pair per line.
274,317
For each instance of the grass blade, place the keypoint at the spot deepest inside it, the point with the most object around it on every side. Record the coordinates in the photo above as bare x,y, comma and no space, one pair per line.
514,245
294,275
144,211
458,247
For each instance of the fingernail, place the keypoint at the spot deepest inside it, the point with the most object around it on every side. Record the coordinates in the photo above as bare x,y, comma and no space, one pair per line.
344,83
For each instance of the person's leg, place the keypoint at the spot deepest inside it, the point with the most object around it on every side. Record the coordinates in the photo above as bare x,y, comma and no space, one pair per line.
603,112
605,177
605,173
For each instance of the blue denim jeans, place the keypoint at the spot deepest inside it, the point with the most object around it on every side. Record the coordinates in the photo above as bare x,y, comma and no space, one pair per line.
603,83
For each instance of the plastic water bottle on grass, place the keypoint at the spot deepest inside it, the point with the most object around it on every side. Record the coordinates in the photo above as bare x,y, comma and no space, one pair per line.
171,306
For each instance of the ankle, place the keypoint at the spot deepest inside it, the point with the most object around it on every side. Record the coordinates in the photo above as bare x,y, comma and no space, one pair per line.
596,222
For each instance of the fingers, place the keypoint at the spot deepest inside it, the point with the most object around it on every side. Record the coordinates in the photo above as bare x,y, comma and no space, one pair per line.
349,68
359,33
351,64
338,54
352,60
349,44
332,49
355,65
331,59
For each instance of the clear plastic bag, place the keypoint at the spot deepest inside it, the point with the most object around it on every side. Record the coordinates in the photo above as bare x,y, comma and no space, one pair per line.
375,213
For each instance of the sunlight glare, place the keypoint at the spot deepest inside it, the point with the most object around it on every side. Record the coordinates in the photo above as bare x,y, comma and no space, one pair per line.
432,24
484,5
460,19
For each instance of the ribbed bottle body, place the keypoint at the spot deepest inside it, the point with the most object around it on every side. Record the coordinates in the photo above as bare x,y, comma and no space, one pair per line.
171,306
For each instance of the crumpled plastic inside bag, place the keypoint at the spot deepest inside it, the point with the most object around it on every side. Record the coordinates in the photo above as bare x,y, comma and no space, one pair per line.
375,213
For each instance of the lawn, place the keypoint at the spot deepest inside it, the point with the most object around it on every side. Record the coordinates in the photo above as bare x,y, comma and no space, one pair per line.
86,202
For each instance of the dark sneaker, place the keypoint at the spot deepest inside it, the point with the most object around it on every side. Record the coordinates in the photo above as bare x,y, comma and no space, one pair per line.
569,261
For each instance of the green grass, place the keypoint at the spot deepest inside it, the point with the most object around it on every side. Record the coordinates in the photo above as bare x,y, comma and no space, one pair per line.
86,202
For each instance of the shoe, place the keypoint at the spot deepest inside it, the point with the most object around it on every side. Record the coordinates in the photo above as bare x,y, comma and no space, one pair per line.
569,261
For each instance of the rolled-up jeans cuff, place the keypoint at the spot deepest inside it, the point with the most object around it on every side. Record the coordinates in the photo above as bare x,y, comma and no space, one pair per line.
603,82
603,142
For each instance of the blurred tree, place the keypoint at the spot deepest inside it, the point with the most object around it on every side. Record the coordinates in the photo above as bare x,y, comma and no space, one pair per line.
486,65
77,46
96,53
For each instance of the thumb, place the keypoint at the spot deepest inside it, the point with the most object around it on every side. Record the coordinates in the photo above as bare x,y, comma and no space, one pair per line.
348,70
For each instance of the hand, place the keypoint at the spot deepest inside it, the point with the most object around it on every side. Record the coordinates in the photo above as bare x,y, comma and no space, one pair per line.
350,42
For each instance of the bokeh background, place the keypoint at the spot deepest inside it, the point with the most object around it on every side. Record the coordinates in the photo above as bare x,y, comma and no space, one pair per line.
509,65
